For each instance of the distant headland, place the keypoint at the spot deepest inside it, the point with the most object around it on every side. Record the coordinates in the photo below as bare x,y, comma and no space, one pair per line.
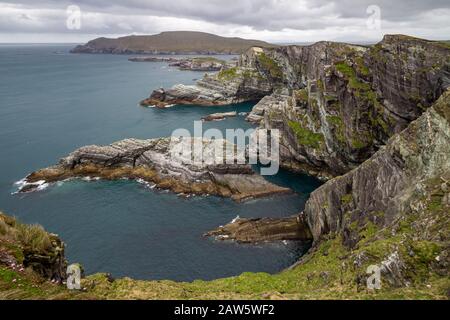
172,42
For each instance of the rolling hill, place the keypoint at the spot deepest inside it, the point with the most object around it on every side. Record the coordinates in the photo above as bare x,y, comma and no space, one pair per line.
174,42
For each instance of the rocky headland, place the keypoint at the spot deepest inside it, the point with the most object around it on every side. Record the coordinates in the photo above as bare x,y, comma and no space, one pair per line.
163,163
171,42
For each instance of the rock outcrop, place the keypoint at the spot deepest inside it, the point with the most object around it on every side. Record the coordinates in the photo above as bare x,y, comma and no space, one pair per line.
168,163
263,230
230,85
219,116
334,103
30,246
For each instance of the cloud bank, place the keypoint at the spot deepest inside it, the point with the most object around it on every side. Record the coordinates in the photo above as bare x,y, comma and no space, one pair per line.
288,21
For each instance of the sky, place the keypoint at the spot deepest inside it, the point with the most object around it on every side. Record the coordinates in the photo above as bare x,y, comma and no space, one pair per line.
276,21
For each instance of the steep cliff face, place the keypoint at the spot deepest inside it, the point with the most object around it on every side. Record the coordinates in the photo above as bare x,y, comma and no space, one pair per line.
391,182
336,104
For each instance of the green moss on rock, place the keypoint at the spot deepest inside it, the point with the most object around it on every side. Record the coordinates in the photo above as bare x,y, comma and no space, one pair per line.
305,136
270,65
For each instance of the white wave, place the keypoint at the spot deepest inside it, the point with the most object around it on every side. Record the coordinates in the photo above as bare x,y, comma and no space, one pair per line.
20,182
38,185
235,219
42,185
88,178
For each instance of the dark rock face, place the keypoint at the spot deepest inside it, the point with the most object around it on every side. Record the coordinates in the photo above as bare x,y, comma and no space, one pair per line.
263,230
164,163
390,182
410,74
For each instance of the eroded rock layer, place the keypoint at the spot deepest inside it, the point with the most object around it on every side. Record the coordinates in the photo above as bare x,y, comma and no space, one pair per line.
164,162
393,183
263,229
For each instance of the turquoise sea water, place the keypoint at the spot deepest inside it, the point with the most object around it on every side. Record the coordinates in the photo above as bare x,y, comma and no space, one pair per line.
52,102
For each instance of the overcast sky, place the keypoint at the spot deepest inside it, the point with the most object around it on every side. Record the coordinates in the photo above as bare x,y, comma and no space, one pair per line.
285,21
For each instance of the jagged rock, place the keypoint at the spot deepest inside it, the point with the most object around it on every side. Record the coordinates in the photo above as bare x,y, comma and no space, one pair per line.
219,116
165,163
334,103
387,182
263,229
231,85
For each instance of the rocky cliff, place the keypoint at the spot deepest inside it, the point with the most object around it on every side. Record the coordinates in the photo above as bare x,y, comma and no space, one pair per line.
394,182
375,118
335,103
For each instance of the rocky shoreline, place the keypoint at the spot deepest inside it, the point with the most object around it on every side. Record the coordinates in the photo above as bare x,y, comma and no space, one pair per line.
160,162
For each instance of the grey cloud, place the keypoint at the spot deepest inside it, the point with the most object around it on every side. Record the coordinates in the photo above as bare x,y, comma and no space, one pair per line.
259,15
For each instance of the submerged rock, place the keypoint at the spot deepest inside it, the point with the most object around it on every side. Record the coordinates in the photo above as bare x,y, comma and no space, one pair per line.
166,162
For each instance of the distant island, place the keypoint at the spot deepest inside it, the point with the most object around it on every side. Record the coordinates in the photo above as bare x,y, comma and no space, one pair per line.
189,64
172,42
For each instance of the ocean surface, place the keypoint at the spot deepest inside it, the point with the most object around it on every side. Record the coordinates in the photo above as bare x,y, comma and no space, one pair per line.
52,102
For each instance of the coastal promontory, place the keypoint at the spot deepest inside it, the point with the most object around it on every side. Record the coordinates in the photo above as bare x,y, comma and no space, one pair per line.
172,42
